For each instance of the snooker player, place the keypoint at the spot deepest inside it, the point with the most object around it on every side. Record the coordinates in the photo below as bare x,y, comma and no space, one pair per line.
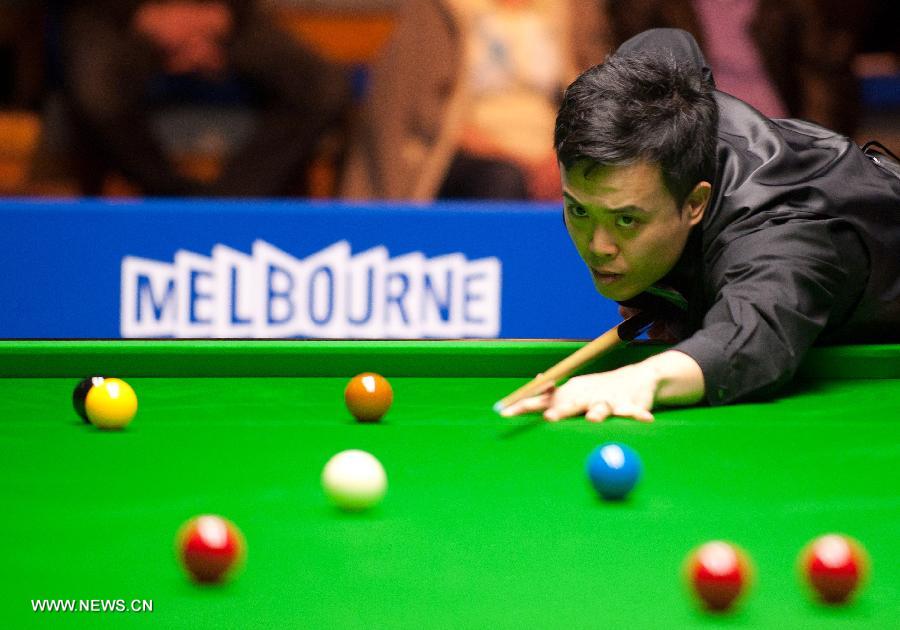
771,235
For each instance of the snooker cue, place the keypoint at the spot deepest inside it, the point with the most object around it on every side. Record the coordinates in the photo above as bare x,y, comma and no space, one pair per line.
623,332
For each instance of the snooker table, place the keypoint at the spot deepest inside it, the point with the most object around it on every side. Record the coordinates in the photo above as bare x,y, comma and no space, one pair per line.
488,522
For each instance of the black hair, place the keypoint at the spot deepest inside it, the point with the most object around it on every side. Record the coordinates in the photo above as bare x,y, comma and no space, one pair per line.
641,108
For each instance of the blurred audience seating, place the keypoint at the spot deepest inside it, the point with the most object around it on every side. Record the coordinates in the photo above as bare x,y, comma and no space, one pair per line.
353,36
19,131
21,85
348,37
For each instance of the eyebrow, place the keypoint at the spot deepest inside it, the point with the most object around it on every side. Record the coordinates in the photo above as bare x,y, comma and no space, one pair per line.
632,209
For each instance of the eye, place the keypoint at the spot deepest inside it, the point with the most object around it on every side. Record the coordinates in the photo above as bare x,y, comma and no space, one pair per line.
576,211
626,221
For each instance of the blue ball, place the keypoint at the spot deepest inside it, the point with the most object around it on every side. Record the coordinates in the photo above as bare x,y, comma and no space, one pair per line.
613,470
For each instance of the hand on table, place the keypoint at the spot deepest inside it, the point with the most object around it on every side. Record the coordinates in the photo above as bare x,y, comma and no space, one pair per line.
627,392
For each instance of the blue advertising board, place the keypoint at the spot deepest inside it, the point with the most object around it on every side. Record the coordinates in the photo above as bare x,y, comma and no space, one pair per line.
278,269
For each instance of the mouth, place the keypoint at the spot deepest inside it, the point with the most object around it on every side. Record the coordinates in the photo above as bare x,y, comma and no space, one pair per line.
605,277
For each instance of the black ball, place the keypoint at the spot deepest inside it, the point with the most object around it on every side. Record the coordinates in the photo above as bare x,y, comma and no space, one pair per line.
81,392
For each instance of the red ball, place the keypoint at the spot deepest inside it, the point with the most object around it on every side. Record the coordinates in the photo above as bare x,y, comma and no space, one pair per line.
368,396
718,572
834,565
210,547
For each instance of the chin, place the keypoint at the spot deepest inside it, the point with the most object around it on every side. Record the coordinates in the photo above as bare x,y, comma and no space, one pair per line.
617,294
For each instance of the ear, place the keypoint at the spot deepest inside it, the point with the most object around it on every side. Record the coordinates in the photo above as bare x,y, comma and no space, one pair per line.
696,202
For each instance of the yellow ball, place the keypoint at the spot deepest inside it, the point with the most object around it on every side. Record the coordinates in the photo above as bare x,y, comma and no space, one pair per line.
111,405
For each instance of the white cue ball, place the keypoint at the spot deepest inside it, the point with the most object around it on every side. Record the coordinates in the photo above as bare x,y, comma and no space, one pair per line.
354,480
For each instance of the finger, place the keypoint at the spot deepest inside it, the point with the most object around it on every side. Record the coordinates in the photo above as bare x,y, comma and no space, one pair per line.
528,405
598,412
563,409
546,388
630,410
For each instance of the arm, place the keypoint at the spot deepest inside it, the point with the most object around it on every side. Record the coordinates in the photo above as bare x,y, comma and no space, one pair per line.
675,378
778,288
405,103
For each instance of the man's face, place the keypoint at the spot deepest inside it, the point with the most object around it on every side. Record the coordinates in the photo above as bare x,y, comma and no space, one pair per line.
626,225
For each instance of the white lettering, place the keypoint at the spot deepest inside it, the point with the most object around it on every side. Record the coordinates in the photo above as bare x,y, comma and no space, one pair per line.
149,299
196,299
236,307
330,294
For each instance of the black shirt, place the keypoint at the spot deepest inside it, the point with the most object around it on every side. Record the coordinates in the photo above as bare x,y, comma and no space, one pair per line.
799,244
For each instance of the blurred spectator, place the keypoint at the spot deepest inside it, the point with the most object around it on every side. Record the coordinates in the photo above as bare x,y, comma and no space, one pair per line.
785,57
463,101
122,61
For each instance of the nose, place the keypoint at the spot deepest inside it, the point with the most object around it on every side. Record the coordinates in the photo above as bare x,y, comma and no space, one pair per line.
602,246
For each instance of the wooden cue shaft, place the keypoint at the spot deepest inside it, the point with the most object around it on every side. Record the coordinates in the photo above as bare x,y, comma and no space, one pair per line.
605,342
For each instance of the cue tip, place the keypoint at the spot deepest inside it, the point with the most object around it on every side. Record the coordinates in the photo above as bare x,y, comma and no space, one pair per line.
499,406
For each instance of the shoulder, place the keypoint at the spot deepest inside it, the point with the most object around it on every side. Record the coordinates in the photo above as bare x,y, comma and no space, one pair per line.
763,161
793,173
